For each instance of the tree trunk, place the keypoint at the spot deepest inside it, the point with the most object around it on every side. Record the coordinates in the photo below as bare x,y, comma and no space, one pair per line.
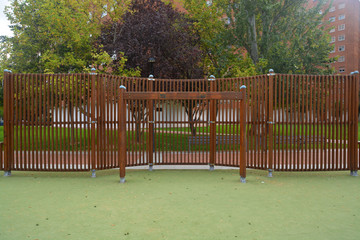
254,52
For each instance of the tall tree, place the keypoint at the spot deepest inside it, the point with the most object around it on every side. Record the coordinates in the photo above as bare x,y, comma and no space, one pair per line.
57,35
286,33
282,34
220,58
152,28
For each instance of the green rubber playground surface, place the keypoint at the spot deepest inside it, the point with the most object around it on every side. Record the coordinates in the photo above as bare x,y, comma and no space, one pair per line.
179,204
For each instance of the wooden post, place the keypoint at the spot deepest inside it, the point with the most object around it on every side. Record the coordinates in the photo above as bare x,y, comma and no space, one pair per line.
243,144
356,114
93,122
270,121
122,133
8,128
150,140
212,124
353,131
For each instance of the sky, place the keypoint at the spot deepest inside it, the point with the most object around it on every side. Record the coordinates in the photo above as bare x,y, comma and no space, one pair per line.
4,24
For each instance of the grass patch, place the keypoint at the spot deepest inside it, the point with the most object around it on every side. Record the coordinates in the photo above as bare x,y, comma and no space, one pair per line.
174,139
179,204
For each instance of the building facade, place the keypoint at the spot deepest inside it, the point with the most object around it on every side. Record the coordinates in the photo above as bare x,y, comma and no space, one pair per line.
344,27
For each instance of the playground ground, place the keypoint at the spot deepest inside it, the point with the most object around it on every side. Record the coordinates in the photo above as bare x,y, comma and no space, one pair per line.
180,204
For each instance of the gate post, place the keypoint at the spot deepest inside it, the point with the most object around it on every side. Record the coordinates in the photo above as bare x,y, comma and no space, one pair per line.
150,140
270,120
354,111
8,123
93,122
243,144
212,124
122,133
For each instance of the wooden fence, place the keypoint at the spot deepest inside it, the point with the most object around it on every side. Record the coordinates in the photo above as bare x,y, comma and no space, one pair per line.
69,122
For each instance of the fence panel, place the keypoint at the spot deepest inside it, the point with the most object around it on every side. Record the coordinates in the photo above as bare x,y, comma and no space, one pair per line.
311,130
69,122
51,130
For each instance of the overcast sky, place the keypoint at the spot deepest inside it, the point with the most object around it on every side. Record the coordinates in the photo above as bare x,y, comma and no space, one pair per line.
4,24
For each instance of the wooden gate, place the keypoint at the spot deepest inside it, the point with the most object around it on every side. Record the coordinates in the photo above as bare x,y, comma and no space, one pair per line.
162,136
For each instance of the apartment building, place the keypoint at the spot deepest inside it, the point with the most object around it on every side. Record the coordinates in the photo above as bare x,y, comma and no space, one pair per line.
344,28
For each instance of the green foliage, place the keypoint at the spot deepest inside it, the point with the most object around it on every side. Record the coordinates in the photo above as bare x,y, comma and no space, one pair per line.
53,36
279,34
220,58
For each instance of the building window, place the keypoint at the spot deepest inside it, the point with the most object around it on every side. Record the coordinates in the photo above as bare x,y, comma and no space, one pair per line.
342,16
333,49
332,9
341,37
341,48
341,27
341,59
341,5
333,39
332,19
332,30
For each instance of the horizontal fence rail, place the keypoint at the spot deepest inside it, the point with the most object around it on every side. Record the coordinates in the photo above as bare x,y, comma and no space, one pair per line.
69,122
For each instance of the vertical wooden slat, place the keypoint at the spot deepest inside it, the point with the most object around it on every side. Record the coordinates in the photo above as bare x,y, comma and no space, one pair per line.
93,121
356,113
122,134
270,120
7,151
151,136
212,124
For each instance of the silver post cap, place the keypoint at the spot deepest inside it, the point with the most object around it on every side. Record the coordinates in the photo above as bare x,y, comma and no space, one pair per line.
122,87
151,77
93,71
243,86
271,72
211,78
7,70
356,72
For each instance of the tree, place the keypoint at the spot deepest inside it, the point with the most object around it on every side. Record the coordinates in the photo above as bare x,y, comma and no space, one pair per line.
57,35
284,32
219,57
152,28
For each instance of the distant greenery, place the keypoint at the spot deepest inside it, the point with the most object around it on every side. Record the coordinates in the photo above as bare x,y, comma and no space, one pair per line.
174,139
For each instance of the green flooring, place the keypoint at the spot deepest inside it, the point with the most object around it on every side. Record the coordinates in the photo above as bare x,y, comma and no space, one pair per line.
179,204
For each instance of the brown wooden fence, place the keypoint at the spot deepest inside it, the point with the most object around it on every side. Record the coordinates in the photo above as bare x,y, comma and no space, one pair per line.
69,122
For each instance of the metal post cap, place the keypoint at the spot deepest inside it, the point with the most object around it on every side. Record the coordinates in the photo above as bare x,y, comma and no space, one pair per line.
243,86
356,72
271,72
7,70
211,78
151,77
93,71
122,87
